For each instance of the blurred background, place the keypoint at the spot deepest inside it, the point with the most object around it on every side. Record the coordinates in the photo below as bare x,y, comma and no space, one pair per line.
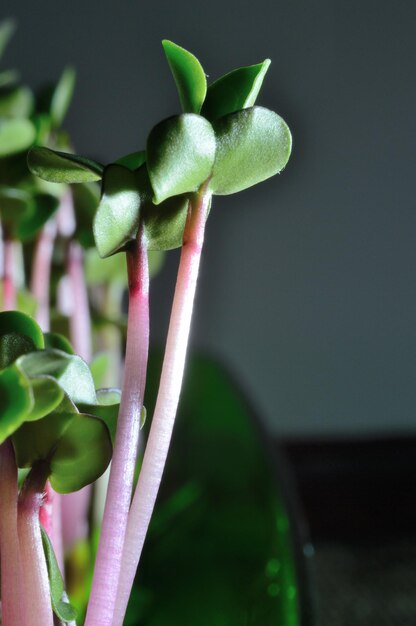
307,289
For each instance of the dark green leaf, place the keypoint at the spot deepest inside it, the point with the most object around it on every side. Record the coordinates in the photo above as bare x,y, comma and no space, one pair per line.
77,447
252,145
17,102
189,76
117,218
62,167
132,161
16,135
16,400
58,342
61,607
180,155
23,214
19,334
62,96
234,91
7,29
86,197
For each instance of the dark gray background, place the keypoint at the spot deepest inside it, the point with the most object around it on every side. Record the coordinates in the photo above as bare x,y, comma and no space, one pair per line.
308,287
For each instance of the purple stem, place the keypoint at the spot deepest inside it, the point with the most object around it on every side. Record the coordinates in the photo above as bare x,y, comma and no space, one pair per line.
9,286
12,599
167,401
34,570
80,320
41,272
108,562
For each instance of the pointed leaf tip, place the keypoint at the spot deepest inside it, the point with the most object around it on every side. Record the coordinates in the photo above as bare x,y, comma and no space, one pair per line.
189,76
63,167
235,91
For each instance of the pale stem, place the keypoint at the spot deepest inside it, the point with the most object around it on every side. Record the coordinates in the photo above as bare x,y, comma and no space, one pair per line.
13,600
34,570
108,562
167,401
41,272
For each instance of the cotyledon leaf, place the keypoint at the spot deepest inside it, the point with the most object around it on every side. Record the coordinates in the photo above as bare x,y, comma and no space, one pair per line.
7,29
63,167
189,76
16,400
19,334
252,145
234,91
62,96
180,155
76,447
16,135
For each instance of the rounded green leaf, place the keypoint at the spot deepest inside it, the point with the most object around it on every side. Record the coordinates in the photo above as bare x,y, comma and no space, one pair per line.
81,455
117,218
180,155
76,447
189,76
17,102
16,135
106,409
19,334
62,96
252,145
16,400
234,91
47,395
57,341
62,167
8,78
70,371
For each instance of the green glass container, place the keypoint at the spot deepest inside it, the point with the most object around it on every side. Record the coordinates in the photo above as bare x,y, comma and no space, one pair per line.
223,548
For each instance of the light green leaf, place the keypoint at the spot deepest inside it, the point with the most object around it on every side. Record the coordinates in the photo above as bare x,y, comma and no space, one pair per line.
235,91
189,76
117,218
252,145
16,400
106,409
86,197
8,78
62,167
60,605
180,155
16,135
23,214
7,29
16,102
70,371
62,96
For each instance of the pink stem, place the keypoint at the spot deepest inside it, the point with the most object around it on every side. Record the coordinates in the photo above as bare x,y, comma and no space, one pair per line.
41,272
12,598
9,286
80,320
35,574
108,563
167,401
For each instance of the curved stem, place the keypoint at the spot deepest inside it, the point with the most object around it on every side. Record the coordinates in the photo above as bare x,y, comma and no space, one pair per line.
41,272
11,573
34,569
108,563
167,401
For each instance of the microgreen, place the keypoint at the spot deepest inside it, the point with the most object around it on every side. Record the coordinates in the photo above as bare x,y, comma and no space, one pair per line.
63,430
